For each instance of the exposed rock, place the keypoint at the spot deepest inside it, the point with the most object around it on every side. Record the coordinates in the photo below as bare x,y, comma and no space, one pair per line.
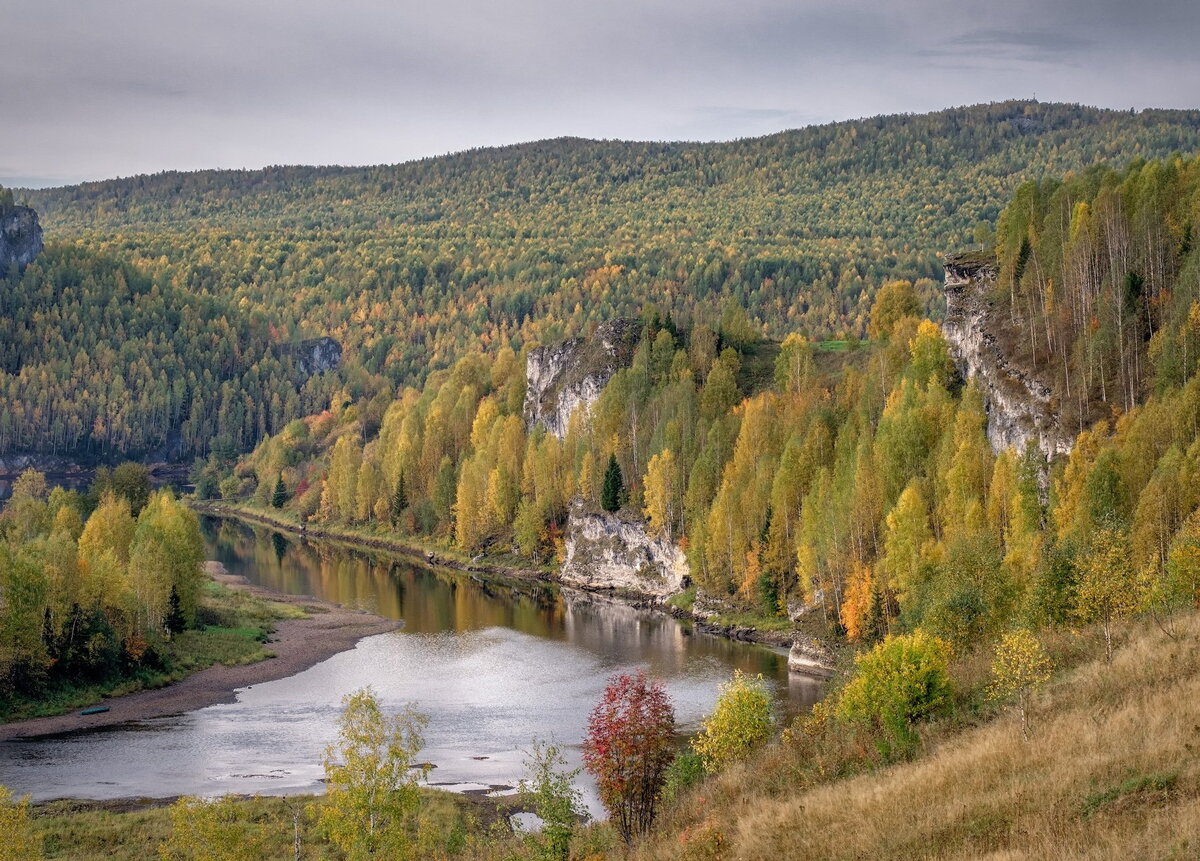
810,657
1020,407
317,355
562,378
14,463
20,237
608,551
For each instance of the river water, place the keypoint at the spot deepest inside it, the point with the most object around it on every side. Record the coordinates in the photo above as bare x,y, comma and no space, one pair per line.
492,664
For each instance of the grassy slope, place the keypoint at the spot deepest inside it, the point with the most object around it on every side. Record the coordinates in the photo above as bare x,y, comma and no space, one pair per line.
1110,771
238,626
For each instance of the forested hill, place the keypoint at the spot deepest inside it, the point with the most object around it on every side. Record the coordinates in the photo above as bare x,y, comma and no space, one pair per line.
535,241
410,267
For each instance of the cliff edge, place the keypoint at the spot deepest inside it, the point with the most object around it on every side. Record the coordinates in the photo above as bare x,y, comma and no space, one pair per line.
562,378
1020,406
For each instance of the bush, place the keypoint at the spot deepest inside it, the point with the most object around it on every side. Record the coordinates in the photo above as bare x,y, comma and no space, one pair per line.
687,769
627,748
899,682
741,723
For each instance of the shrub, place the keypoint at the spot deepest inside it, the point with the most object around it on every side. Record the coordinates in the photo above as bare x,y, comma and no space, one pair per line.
741,722
628,747
555,800
899,682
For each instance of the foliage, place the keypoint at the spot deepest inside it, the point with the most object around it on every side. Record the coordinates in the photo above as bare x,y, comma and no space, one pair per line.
627,749
214,829
901,681
279,494
1108,585
96,601
371,796
1021,667
685,770
556,801
741,722
20,842
213,278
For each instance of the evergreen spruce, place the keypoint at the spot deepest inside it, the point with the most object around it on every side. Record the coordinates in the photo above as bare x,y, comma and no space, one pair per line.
175,620
279,497
399,498
612,496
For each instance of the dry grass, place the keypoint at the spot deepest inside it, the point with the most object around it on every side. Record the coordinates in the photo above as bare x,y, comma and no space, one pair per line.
1112,770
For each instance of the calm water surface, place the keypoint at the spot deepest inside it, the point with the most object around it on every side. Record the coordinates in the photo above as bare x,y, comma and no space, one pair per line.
492,664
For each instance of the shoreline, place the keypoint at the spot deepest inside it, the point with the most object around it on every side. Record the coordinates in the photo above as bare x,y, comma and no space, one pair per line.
771,638
421,554
297,644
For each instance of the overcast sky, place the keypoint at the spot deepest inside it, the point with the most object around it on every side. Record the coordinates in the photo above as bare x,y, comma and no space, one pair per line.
91,89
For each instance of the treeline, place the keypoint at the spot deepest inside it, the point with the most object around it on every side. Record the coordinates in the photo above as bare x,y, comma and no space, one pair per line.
99,359
92,585
412,266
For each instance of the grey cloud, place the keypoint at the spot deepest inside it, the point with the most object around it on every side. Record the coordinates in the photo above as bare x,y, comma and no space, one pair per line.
120,86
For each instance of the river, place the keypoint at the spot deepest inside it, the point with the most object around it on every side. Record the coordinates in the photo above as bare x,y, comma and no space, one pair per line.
492,664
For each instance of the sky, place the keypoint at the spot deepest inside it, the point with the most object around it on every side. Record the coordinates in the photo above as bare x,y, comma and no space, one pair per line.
93,89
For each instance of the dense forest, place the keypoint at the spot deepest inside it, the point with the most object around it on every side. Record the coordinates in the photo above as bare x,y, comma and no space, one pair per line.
98,359
850,482
411,266
865,485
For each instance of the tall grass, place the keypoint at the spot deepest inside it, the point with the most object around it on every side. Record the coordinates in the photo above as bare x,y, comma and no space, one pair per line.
1111,770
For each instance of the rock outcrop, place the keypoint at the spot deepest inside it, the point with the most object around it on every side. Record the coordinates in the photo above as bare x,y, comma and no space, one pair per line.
20,237
810,657
608,551
562,378
1020,407
317,355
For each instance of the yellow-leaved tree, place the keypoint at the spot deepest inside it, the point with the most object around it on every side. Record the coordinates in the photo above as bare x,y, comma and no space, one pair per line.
372,797
1020,668
20,842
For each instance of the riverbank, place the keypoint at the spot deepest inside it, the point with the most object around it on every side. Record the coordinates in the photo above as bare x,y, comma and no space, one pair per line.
295,645
437,557
768,633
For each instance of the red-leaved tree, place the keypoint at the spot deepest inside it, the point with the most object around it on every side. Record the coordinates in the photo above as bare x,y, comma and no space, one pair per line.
628,746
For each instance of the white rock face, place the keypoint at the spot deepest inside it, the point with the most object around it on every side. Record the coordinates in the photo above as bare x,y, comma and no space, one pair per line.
562,378
606,551
809,657
1019,406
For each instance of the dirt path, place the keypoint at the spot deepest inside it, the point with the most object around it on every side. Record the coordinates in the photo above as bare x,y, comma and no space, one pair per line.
297,643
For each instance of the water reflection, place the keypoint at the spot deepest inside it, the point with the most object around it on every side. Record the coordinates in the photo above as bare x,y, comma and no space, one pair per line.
492,664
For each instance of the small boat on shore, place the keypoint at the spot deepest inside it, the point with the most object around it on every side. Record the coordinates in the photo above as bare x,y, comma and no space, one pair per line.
95,710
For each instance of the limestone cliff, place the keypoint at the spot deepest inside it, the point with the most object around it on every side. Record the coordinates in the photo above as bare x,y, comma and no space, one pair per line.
316,355
20,237
1020,406
608,551
562,378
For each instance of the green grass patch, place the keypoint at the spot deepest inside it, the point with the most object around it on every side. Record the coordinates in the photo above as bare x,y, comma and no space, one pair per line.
1137,791
683,600
758,621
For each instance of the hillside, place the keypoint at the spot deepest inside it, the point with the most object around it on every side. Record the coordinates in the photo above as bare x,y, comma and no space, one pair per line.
1107,772
408,267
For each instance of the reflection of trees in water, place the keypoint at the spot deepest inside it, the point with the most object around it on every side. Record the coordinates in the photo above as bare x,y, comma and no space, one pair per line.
438,600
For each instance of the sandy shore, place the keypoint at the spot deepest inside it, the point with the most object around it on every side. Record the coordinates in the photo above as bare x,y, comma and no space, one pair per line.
297,643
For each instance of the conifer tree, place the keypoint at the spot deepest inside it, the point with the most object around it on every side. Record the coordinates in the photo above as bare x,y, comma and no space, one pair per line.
279,497
614,486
